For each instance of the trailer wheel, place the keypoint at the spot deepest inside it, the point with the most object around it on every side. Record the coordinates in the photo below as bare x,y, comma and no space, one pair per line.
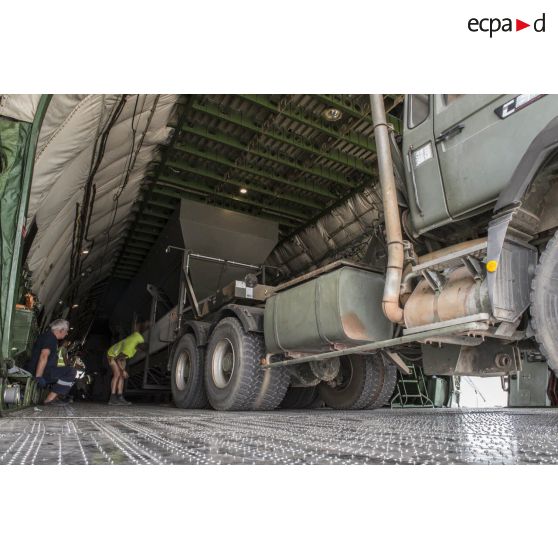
233,376
388,373
188,390
358,386
544,303
300,397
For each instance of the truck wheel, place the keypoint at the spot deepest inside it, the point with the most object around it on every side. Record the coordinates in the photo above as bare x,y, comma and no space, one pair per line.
233,376
388,372
300,397
360,382
188,391
275,383
544,303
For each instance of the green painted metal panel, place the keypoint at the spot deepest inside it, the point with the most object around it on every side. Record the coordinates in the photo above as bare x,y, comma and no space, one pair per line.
528,388
18,141
24,331
478,162
13,146
339,307
425,191
438,391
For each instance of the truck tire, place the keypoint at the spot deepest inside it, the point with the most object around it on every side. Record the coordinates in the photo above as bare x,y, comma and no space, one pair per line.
360,386
544,303
388,372
188,390
275,383
234,379
300,397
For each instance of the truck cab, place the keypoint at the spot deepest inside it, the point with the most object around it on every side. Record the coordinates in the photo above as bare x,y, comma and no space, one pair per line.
461,151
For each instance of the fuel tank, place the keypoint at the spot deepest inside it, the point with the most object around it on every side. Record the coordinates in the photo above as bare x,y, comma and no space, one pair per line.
343,306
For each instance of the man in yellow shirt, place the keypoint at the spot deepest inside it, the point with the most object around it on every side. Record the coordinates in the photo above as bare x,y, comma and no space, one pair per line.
117,357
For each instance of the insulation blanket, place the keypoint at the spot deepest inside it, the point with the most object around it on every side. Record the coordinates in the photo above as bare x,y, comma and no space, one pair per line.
67,149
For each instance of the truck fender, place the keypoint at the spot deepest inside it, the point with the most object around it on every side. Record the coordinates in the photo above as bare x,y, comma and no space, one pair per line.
534,157
200,330
251,318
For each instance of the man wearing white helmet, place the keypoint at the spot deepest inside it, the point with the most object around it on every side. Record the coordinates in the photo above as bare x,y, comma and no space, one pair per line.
44,363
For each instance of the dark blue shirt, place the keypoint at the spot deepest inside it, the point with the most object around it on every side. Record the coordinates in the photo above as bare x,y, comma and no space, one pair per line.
46,340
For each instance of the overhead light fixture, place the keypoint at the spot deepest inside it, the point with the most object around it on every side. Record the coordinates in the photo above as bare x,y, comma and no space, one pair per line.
75,305
85,251
71,328
243,190
332,114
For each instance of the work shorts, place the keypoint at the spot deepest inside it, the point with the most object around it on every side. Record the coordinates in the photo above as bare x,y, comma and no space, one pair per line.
120,361
60,378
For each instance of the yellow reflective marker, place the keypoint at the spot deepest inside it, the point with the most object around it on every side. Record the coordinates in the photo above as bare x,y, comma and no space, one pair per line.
491,266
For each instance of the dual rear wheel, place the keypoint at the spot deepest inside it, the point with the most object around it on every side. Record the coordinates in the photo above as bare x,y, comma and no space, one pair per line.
364,382
187,387
228,376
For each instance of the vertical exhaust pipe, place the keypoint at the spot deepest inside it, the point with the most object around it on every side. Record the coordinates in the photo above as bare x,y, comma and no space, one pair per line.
394,236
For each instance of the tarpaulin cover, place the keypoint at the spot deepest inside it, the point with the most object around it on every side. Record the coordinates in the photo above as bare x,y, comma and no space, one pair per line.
13,142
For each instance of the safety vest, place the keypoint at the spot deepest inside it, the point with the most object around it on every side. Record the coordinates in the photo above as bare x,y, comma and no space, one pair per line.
127,346
61,361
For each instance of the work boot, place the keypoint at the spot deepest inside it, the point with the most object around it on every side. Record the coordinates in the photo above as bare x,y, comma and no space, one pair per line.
114,399
123,401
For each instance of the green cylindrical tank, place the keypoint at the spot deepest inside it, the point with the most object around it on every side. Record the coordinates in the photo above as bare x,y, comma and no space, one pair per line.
342,307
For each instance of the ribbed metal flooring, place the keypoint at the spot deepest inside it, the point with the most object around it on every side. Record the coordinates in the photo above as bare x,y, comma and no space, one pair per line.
98,434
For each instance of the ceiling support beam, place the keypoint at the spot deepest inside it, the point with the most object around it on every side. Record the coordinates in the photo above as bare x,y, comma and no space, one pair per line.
159,203
150,222
240,183
155,214
257,172
178,183
302,117
145,236
352,109
202,198
320,172
285,137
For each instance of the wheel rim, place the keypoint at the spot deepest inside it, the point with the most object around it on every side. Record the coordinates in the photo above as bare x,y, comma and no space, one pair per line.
346,374
222,363
182,372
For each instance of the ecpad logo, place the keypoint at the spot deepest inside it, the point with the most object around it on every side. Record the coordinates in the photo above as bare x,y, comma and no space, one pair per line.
494,24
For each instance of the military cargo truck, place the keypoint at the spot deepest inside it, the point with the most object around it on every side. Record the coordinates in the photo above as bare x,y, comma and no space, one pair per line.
470,203
469,198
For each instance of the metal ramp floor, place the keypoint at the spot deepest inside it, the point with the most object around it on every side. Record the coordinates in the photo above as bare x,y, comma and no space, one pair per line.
147,434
